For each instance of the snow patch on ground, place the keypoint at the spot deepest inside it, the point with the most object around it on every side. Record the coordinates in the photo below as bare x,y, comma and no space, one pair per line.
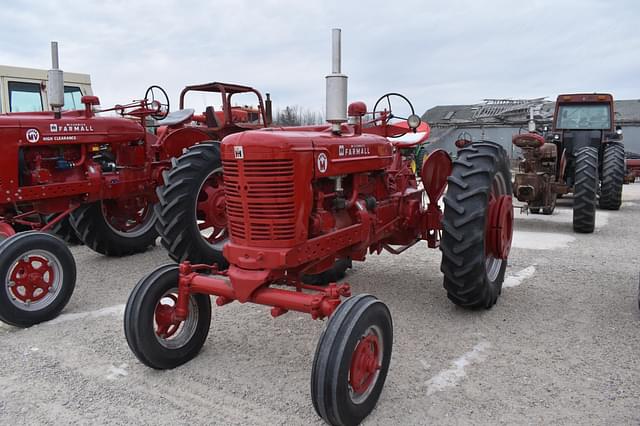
117,310
628,204
540,240
517,278
450,377
117,372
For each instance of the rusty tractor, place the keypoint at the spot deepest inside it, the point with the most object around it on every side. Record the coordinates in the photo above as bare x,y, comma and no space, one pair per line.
99,173
582,154
632,167
297,199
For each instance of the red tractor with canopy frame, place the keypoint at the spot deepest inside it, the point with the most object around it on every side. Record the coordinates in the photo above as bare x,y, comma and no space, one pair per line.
94,176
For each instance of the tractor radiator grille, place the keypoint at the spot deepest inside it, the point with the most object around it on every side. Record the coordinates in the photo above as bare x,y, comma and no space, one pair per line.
259,195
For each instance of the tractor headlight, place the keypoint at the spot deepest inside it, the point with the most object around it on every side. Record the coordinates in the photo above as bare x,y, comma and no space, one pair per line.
556,137
413,121
619,131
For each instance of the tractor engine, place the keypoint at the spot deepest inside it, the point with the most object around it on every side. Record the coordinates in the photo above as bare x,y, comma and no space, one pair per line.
537,169
291,197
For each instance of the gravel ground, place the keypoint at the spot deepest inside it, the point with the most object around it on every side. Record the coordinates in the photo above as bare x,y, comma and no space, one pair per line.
561,346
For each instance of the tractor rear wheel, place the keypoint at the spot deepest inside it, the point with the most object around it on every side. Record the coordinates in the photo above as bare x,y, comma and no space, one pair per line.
38,276
153,335
584,190
613,165
192,221
352,360
477,226
64,230
192,217
116,227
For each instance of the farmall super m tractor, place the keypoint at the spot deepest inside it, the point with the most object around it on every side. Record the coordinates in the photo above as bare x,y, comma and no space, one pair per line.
583,154
100,173
297,199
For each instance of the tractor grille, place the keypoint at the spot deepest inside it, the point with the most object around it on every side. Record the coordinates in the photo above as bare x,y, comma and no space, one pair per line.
260,199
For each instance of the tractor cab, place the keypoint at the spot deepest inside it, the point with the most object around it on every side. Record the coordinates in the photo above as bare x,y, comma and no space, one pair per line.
583,120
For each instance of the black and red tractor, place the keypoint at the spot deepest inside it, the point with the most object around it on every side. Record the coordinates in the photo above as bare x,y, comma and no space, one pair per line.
583,154
298,199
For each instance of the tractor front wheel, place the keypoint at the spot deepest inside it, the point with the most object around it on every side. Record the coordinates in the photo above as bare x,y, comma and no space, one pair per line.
38,276
116,227
584,190
612,176
477,226
154,336
351,361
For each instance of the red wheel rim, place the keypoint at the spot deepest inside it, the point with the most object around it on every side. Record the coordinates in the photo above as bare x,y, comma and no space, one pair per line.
165,324
211,213
499,232
365,365
127,215
34,280
171,333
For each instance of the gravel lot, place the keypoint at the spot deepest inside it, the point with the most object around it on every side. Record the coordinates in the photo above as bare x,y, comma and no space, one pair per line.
561,346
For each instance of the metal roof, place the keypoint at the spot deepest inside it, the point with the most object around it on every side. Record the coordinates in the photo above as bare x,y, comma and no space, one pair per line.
514,111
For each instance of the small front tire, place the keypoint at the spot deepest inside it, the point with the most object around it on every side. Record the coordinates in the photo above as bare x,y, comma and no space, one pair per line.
38,276
352,360
153,336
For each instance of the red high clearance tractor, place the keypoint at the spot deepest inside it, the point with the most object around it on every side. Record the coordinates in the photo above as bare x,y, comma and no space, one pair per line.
98,172
298,199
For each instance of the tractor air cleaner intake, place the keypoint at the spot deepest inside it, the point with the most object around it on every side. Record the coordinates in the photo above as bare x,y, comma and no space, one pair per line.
55,88
336,86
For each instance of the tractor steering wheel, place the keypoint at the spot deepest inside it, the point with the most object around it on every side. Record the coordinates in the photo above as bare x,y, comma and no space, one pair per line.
388,97
157,98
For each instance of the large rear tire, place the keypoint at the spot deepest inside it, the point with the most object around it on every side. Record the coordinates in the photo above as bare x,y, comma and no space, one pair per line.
192,217
585,189
473,277
612,176
64,230
112,235
189,230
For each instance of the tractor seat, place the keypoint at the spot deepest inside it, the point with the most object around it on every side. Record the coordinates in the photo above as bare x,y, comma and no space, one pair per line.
176,118
528,140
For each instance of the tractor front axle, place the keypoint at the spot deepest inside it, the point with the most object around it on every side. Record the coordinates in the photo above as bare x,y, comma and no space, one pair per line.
319,304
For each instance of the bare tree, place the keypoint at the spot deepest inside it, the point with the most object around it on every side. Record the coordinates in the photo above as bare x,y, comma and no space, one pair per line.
297,116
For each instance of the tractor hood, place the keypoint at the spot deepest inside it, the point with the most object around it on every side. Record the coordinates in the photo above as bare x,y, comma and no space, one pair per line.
73,127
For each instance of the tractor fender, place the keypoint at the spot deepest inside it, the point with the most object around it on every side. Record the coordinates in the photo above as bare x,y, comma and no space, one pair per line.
173,144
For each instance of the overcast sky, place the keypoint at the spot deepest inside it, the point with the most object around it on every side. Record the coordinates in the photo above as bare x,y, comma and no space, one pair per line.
444,52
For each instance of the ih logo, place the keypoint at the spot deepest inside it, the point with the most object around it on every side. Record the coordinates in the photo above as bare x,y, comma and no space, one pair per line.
33,135
323,162
238,152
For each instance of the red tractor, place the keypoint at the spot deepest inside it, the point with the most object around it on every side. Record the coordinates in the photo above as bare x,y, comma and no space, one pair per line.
297,199
99,173
582,154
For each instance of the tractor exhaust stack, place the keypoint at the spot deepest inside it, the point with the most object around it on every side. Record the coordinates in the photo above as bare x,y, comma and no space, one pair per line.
336,86
55,87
